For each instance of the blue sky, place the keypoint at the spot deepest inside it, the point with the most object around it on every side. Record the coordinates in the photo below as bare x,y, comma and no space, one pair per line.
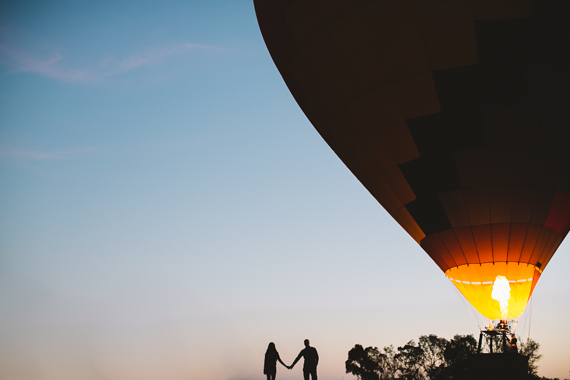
166,209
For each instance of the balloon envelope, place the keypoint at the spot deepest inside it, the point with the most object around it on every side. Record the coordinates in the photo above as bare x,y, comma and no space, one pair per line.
453,114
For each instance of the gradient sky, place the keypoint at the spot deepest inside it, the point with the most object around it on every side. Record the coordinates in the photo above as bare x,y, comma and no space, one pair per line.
166,209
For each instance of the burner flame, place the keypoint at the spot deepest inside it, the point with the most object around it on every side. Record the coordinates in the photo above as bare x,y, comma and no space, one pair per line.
502,293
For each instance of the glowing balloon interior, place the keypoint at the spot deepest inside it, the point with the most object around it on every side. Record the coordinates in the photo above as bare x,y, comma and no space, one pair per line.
482,286
454,115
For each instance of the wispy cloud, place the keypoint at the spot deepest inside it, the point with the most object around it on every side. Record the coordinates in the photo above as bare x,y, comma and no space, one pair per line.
21,61
36,155
151,56
54,65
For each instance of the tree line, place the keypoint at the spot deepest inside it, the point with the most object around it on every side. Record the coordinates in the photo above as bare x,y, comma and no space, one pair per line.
432,358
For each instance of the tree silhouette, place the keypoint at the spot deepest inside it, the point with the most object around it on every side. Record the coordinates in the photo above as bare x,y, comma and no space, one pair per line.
364,362
410,359
530,348
371,364
456,352
433,358
434,354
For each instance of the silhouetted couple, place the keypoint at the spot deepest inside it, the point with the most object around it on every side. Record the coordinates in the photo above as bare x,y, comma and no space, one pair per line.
309,367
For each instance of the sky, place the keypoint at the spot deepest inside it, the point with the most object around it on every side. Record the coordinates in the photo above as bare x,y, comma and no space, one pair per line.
167,210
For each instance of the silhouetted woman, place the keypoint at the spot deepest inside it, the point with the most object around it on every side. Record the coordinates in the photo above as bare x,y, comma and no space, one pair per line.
270,364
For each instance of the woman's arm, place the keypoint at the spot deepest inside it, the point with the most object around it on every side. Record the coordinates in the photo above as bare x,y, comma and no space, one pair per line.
280,361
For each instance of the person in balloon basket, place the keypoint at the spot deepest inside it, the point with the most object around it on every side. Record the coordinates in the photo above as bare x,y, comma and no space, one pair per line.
270,363
311,360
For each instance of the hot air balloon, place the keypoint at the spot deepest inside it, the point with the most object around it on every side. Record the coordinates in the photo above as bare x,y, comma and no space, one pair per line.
455,115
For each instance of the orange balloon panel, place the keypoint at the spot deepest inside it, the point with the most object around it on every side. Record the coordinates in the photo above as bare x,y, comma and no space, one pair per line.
453,114
476,282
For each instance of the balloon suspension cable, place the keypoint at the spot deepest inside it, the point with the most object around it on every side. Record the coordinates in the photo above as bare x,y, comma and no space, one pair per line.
467,306
529,318
524,321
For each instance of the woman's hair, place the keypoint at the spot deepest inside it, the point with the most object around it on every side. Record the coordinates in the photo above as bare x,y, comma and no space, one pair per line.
271,348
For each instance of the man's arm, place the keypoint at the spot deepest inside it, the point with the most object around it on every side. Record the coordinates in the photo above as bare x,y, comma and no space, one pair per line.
297,359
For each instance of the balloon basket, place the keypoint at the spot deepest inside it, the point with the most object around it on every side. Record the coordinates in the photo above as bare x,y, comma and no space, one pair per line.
497,337
504,366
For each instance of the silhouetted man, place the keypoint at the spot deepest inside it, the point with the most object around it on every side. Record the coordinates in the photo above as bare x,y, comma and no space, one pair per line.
311,360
